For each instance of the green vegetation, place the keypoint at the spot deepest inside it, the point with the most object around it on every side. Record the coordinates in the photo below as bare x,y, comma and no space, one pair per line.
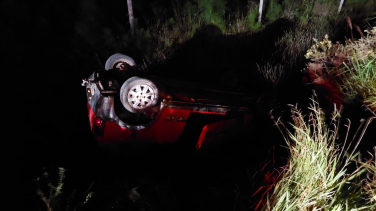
352,65
274,11
156,38
252,16
212,12
318,175
169,29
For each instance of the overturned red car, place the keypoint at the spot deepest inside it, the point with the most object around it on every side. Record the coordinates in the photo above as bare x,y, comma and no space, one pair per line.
128,106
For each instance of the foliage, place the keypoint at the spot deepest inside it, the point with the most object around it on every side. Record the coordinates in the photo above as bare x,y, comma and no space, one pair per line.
252,17
49,189
312,20
317,175
353,65
370,182
212,12
156,39
273,11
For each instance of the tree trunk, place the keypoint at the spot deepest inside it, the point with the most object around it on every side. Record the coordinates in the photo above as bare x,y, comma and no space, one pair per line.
260,11
130,13
340,6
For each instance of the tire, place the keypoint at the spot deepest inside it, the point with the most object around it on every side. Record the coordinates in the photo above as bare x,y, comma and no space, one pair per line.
116,58
138,94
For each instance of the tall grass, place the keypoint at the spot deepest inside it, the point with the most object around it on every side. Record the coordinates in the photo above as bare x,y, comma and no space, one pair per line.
360,74
318,175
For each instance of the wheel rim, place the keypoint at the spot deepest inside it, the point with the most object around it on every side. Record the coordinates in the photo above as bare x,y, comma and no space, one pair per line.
140,96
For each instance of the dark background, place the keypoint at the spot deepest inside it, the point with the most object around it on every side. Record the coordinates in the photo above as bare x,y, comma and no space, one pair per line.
45,59
48,47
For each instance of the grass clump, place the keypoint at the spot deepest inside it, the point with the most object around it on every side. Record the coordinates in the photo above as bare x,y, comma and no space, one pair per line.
352,66
318,176
370,183
360,74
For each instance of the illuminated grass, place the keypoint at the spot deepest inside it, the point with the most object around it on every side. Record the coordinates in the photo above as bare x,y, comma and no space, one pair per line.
360,74
317,175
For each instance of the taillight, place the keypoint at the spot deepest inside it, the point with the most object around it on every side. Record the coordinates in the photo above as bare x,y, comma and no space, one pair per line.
99,126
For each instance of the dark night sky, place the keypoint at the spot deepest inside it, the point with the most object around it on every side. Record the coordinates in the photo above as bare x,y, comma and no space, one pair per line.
40,44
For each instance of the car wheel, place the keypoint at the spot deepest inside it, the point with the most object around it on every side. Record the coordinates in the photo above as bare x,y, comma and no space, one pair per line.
138,94
117,61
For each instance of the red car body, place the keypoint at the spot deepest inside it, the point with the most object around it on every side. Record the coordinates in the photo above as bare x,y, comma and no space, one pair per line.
165,112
